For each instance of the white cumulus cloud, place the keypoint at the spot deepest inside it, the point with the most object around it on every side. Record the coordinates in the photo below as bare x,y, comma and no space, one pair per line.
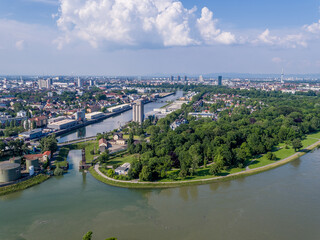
287,40
209,31
137,23
313,28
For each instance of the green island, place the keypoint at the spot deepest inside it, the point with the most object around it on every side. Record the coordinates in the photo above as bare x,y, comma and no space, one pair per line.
254,131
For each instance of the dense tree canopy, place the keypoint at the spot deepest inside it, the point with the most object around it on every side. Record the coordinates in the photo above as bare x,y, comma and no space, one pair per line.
228,142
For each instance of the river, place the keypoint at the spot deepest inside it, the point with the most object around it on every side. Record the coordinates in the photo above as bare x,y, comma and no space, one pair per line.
279,204
112,123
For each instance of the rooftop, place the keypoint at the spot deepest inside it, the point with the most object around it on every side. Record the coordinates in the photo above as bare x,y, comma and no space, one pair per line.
8,165
63,122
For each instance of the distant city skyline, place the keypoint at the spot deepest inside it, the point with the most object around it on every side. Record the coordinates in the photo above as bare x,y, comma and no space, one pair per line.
64,37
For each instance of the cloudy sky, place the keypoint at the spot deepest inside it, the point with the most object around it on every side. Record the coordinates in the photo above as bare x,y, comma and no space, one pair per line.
142,37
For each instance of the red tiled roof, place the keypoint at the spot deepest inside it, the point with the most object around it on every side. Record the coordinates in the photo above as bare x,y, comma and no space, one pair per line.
48,153
33,156
102,141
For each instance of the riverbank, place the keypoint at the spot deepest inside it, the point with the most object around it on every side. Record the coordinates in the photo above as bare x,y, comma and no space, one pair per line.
96,173
24,185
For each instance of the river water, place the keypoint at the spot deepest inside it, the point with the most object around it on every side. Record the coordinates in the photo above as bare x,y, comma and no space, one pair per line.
279,204
112,123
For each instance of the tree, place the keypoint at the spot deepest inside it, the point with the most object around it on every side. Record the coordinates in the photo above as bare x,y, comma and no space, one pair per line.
216,168
34,125
49,144
270,156
296,144
87,236
146,174
58,171
104,157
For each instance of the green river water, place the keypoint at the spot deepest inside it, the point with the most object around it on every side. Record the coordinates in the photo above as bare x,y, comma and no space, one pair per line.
283,203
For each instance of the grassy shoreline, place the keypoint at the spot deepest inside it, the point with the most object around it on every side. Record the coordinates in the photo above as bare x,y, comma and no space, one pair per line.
213,179
23,185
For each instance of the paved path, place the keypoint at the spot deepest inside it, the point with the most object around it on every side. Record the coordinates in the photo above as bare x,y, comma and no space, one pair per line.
278,163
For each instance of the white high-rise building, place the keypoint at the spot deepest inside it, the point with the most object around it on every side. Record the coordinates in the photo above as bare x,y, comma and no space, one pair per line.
201,78
49,83
138,111
80,83
42,83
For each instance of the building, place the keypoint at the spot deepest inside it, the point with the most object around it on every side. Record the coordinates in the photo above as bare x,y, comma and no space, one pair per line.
123,169
80,83
64,124
103,145
178,78
42,83
119,108
35,133
40,121
93,108
118,139
49,83
177,123
138,111
22,114
220,81
9,171
57,119
80,115
94,115
201,79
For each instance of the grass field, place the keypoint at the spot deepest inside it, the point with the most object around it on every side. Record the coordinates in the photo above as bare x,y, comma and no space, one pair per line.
127,158
283,153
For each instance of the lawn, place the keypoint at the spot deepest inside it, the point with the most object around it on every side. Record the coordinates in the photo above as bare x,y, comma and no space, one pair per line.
127,158
134,137
283,152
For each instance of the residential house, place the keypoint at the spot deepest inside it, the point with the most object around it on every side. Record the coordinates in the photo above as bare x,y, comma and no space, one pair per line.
103,145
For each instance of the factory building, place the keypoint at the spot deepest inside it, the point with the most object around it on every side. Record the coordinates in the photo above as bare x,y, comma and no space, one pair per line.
35,133
64,124
94,115
119,108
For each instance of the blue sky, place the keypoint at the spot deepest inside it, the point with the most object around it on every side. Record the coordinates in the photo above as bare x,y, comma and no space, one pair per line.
162,36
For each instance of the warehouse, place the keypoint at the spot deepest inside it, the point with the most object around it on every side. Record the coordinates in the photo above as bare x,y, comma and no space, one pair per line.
35,133
119,108
94,115
9,172
64,124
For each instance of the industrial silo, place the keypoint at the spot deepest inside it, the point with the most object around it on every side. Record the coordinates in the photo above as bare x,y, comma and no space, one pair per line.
33,162
15,160
9,171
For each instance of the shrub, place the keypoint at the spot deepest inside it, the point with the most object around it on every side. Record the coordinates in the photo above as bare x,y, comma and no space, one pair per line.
58,171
